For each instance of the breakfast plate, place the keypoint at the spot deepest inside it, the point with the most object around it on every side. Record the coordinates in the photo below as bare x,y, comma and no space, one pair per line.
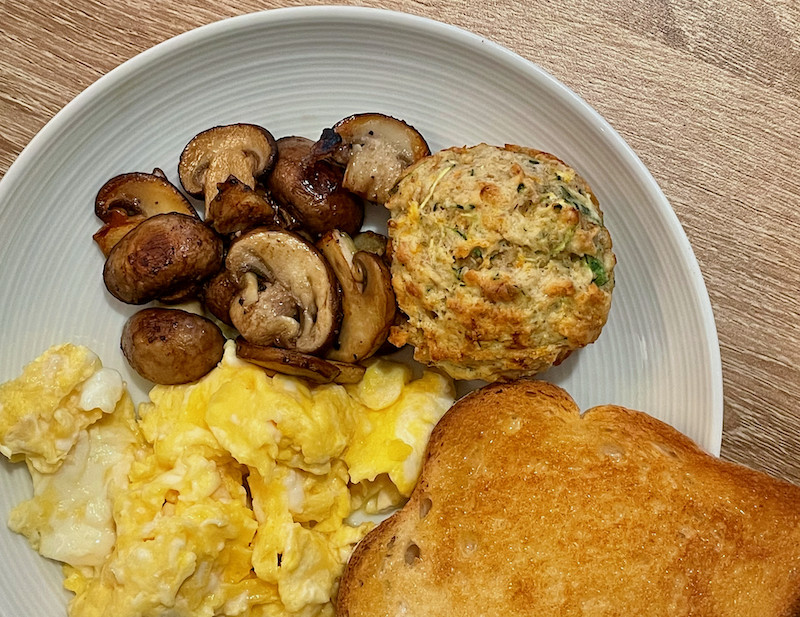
296,71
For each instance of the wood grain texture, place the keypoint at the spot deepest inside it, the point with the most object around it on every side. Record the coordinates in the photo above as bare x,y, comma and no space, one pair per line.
707,94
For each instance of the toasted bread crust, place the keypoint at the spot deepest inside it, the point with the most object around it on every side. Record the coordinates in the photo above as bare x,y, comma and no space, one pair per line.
527,507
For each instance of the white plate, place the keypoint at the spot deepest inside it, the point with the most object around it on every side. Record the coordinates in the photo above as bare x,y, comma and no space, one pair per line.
297,71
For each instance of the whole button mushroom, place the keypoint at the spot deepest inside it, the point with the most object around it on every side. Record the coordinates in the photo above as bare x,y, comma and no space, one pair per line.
244,151
171,346
161,256
312,188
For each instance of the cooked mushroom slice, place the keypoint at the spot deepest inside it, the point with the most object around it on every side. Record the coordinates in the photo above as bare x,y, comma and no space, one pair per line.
288,295
288,362
114,229
372,242
245,151
376,149
126,200
348,372
140,194
368,301
162,256
237,207
171,346
313,189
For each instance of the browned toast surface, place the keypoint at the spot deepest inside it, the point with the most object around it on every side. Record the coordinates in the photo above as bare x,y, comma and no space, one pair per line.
525,507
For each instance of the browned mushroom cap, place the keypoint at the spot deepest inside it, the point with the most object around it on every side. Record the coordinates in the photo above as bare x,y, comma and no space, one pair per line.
376,149
218,294
244,151
368,301
171,346
160,257
237,207
289,362
288,296
313,189
126,200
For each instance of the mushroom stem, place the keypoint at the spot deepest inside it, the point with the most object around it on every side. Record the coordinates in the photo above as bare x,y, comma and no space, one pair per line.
239,164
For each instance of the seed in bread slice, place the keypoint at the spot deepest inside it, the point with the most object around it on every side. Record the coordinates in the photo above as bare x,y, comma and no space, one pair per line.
526,507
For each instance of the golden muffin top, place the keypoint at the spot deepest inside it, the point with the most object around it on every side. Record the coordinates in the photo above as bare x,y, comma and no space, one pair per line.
500,261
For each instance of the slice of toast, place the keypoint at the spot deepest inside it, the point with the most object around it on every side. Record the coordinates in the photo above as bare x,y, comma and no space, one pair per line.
525,507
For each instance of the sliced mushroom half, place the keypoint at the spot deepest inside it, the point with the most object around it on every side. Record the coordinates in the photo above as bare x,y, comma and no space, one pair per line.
375,149
288,296
289,362
312,188
127,199
368,301
245,151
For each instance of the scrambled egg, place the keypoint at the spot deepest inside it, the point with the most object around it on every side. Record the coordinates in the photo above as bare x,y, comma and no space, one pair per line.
234,495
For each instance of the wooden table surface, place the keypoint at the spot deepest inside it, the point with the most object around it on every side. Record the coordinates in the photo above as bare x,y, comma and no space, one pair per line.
707,94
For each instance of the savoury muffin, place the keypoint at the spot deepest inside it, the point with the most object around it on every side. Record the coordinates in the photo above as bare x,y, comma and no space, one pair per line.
500,261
